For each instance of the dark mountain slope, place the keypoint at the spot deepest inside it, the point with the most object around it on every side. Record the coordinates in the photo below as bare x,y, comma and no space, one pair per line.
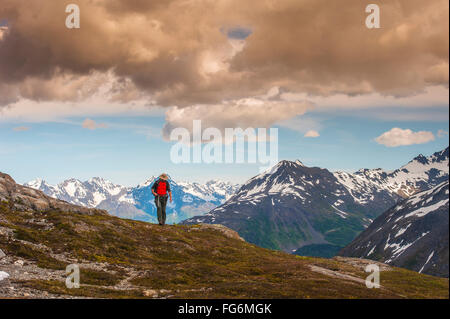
295,206
413,234
311,211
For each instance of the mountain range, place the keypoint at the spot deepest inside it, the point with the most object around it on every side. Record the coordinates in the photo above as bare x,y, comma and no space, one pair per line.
413,234
190,199
312,211
302,210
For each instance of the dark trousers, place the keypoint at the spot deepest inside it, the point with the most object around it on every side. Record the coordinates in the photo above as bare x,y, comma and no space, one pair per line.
161,202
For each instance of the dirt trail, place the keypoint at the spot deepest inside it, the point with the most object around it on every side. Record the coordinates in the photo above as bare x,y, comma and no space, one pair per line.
335,274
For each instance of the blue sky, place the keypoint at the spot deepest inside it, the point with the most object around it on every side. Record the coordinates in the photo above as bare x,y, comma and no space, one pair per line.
130,149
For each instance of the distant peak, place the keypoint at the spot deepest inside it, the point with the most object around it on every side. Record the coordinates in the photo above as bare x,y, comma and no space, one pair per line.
421,159
35,183
298,162
290,163
72,180
147,182
442,155
97,180
284,165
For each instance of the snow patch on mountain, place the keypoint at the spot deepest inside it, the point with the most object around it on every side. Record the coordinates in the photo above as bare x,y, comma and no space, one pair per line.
413,234
419,174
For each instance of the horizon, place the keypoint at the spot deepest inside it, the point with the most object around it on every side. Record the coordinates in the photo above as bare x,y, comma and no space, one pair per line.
219,180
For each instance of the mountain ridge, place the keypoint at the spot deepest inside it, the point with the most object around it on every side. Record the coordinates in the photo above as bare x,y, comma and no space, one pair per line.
293,207
413,234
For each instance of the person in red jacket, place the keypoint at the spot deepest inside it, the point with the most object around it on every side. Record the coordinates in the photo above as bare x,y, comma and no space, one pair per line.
161,191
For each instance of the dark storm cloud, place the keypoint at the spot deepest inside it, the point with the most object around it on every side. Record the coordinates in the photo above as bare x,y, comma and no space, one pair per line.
175,51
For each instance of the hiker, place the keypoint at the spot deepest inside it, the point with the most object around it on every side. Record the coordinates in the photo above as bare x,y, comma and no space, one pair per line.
161,190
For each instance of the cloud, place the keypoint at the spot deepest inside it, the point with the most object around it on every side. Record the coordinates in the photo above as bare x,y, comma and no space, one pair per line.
312,133
257,112
301,124
175,52
442,133
399,137
431,96
92,125
21,128
95,106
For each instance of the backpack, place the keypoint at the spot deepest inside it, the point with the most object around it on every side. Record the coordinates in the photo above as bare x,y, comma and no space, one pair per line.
161,188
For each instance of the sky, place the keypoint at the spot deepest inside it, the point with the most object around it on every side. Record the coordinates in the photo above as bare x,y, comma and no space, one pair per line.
102,100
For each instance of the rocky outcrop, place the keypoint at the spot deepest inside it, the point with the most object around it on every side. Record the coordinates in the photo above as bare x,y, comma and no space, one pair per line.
27,199
224,230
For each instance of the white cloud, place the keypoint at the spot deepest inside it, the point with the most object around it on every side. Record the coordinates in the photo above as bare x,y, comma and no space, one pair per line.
101,94
442,133
92,125
3,31
21,129
26,111
312,133
257,112
399,137
301,124
377,106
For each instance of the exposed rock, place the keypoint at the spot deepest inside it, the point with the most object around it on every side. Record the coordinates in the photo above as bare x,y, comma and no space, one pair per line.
19,263
224,230
3,275
150,293
2,254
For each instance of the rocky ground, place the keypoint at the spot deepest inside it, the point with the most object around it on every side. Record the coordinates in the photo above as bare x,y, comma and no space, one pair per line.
19,271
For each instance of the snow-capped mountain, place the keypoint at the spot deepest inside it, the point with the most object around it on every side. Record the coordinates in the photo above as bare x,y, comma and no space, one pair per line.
89,193
291,206
190,199
419,174
316,212
413,234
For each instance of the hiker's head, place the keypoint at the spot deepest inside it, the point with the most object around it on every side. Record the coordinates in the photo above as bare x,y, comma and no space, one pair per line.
164,176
